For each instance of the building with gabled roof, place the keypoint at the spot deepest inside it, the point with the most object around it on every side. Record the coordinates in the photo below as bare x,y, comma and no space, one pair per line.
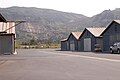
76,34
111,35
71,43
89,38
96,31
95,38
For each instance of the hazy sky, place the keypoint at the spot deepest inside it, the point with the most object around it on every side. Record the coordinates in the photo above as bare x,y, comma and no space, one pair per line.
86,7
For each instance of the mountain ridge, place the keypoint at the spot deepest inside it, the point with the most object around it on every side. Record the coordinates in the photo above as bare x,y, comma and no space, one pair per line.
48,24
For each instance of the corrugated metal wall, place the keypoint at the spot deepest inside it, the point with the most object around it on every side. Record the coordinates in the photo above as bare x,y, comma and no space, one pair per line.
63,45
74,43
4,26
106,43
111,36
86,34
7,44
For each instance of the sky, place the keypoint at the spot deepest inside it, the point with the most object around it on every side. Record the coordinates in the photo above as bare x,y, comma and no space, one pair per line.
85,7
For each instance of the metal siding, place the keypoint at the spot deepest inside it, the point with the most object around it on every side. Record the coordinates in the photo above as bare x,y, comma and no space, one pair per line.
79,45
82,45
67,46
106,44
72,38
87,34
76,45
93,42
100,42
4,26
7,45
72,45
113,30
63,46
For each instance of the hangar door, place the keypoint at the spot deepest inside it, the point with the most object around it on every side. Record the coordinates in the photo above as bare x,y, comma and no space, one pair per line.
6,44
87,44
72,46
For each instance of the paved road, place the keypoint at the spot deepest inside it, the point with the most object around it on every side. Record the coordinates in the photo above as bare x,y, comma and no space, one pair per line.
57,65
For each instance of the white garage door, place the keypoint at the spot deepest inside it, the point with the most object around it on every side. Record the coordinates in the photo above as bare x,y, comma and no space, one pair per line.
87,44
72,46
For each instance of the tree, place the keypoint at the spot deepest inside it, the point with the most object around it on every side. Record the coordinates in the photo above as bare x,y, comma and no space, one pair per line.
33,42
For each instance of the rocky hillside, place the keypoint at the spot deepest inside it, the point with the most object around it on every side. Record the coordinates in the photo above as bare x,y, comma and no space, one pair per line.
42,23
48,24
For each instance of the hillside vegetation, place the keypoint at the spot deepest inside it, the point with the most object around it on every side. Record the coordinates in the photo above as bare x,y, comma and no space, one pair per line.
52,25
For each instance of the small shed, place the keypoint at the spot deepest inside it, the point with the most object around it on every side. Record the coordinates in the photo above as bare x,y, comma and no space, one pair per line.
73,41
89,38
111,35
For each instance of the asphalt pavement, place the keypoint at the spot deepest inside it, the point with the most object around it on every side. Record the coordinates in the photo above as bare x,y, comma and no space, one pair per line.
50,64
